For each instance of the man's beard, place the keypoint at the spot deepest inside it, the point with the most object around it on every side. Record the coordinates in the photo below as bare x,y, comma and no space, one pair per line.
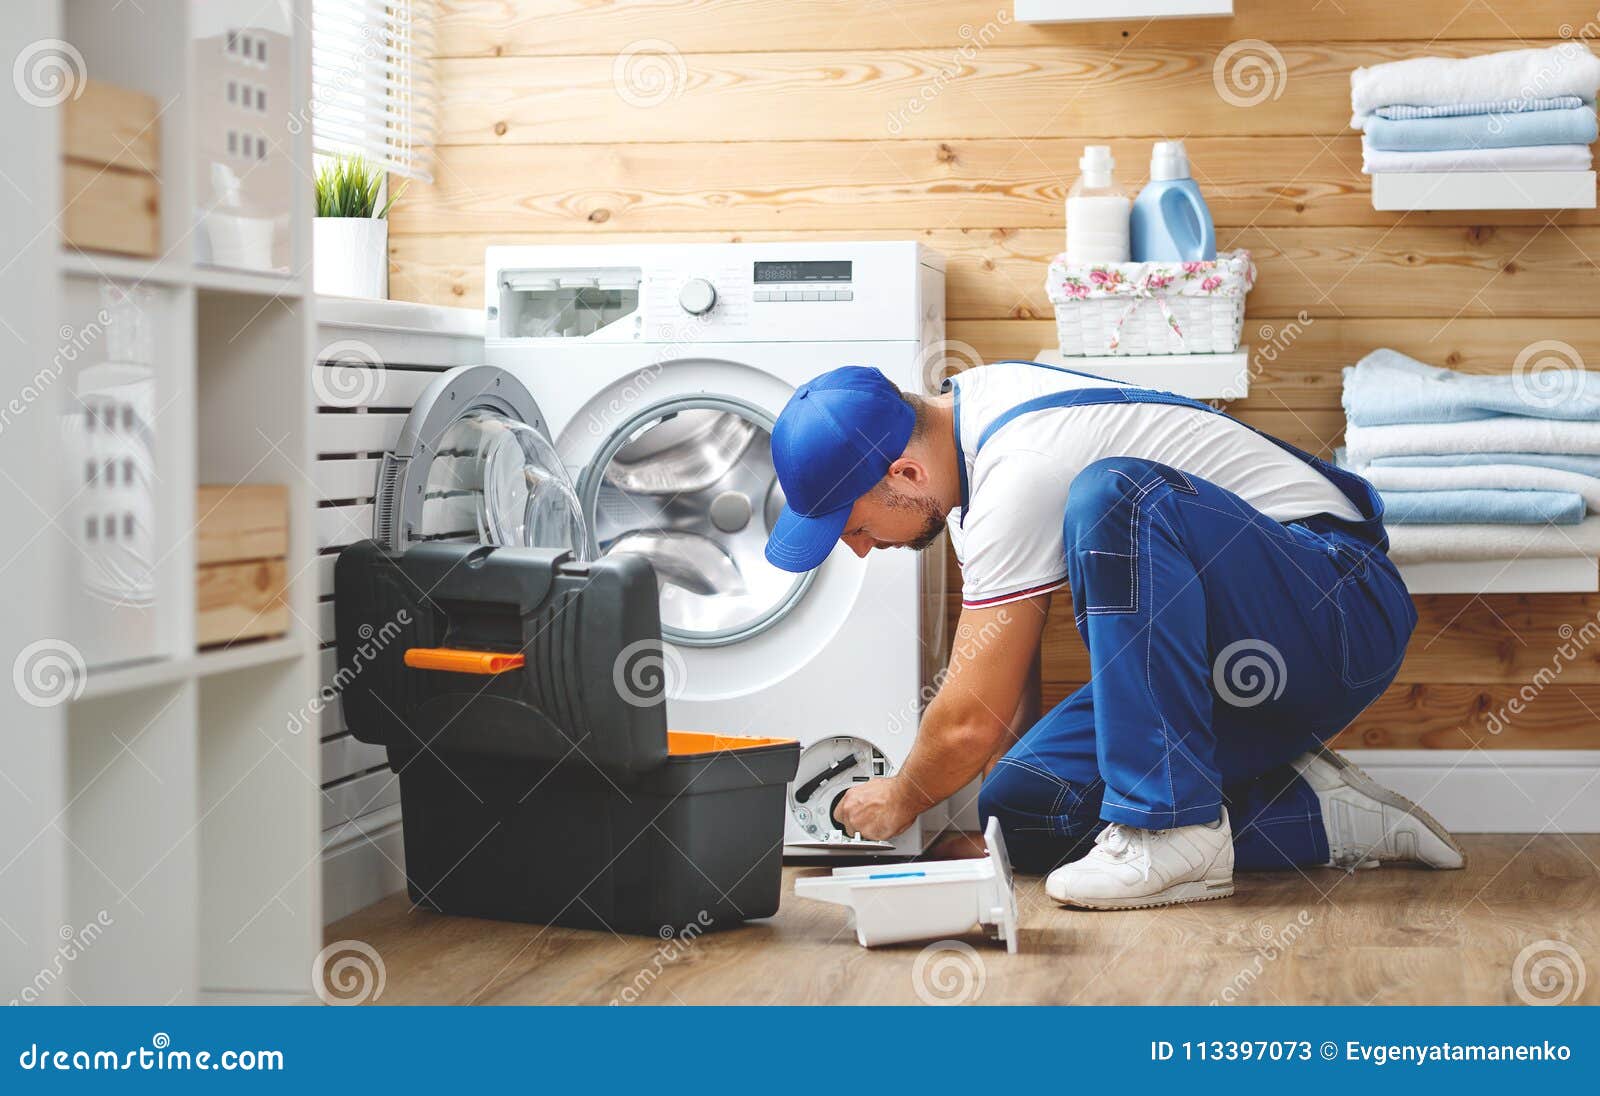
932,525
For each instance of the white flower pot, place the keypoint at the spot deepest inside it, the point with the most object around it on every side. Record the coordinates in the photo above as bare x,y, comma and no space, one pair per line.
351,256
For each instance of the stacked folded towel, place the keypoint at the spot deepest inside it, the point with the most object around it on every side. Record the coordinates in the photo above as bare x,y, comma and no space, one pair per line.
1472,455
1520,110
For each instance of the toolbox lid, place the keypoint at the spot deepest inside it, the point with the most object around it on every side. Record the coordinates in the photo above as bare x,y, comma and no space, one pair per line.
511,653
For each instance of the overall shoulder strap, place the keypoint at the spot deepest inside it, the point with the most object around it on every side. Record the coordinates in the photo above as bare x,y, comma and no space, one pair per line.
1360,493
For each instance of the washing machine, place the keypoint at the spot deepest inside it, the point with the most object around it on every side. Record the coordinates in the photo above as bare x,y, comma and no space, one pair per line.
659,371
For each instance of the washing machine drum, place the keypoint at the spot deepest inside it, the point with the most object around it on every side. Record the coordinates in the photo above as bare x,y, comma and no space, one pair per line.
475,463
689,485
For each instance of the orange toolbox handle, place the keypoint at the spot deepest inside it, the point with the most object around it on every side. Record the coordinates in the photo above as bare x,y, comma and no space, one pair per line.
462,662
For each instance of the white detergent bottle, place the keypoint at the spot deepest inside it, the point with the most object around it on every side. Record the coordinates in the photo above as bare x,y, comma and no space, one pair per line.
1171,222
1097,211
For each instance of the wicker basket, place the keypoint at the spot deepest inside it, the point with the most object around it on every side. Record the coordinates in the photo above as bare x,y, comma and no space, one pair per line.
1150,308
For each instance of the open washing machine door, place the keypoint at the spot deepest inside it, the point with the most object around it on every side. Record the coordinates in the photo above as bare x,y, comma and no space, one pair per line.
474,462
688,483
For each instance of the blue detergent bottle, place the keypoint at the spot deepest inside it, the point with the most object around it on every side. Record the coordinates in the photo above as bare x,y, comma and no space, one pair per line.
1170,222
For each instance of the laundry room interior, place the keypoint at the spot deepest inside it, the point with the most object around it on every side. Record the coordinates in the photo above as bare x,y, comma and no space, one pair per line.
402,621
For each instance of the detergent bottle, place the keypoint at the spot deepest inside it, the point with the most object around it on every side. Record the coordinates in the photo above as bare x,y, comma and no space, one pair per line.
1170,222
1097,211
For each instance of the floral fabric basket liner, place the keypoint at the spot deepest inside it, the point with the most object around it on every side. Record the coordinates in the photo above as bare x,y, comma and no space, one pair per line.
1230,275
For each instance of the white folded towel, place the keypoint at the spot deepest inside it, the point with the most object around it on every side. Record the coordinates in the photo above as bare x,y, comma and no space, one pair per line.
1377,161
1429,543
1507,477
1506,434
1565,69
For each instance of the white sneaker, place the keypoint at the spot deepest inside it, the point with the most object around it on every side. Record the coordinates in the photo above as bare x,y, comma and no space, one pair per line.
1130,868
1370,825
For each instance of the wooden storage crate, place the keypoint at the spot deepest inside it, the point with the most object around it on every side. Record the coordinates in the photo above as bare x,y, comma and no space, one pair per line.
111,143
241,541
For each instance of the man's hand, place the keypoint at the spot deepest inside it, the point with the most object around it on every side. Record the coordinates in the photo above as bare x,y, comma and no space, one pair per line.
878,810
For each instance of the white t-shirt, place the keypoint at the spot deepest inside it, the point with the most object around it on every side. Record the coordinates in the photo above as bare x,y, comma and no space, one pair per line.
1010,542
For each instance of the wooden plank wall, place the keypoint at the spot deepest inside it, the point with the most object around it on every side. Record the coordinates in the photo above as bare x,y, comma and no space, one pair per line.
670,120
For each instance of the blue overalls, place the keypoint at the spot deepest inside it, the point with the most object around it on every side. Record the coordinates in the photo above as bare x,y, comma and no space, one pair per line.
1222,644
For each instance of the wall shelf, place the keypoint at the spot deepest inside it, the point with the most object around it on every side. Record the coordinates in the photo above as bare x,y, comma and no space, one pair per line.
1502,576
1087,11
175,273
1449,190
1198,376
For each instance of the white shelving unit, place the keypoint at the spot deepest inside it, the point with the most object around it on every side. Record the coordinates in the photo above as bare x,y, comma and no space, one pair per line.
1198,376
1087,11
1440,190
1503,576
160,795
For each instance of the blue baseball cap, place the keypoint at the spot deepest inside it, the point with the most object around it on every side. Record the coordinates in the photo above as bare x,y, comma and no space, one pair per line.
835,440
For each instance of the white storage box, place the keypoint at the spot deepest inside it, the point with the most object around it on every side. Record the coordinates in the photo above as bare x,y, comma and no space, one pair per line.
897,903
1150,308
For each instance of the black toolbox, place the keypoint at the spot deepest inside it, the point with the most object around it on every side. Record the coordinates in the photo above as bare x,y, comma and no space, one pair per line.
538,780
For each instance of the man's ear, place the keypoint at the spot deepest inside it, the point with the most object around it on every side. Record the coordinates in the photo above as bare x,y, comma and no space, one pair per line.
908,472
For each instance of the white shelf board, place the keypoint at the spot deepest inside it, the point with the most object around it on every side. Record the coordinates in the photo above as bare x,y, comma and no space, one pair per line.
1198,376
168,671
177,272
1434,190
1087,11
97,265
244,281
1502,576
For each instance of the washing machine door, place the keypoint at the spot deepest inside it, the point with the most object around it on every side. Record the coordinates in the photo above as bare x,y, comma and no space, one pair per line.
475,462
689,484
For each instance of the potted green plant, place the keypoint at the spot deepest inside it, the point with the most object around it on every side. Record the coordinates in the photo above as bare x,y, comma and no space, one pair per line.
350,243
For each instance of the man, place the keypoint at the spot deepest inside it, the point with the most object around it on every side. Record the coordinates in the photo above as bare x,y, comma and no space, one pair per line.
1233,592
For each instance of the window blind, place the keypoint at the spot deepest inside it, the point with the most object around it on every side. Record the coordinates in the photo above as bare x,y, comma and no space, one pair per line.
372,86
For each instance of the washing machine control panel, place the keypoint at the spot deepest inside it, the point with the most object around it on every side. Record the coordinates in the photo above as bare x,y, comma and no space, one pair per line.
802,281
693,293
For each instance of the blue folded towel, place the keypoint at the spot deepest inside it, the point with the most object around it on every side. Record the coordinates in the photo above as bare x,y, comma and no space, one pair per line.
1581,463
1386,388
1402,111
1487,506
1534,127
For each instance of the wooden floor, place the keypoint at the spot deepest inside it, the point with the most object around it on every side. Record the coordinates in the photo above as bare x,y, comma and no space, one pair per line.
1389,936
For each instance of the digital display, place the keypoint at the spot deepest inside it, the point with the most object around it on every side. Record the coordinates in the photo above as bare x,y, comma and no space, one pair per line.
830,270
